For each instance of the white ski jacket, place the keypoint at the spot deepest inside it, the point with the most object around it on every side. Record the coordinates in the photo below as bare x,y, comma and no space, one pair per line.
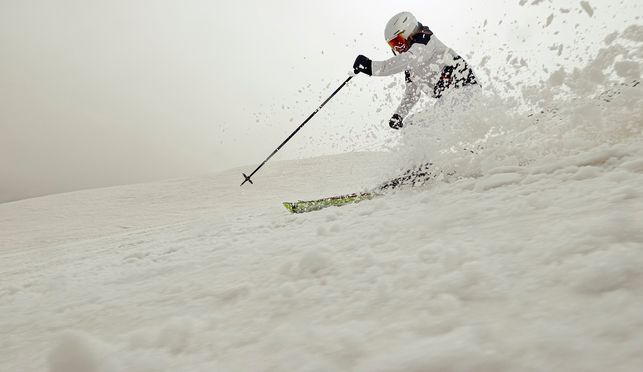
430,67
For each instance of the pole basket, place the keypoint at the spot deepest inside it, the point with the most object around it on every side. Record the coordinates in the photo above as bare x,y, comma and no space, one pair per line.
247,179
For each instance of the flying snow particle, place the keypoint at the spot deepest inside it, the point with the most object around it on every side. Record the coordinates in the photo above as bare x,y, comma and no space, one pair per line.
587,8
609,39
628,69
557,78
634,33
549,20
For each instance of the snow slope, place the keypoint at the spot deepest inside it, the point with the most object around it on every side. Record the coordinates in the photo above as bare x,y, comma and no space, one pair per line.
525,268
530,258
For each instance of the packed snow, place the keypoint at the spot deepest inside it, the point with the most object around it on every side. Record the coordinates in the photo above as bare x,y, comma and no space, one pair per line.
524,253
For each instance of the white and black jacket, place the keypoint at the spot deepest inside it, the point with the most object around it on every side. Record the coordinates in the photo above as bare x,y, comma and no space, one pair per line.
430,67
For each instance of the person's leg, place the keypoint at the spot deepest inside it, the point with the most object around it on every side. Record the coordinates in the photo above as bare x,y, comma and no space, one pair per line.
411,177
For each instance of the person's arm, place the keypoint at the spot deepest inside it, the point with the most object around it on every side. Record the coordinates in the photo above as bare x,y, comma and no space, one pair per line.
412,95
393,65
401,62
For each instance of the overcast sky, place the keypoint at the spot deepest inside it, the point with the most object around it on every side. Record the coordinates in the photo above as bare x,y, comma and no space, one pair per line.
97,93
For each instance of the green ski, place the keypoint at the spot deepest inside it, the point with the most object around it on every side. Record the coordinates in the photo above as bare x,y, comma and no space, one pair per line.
303,206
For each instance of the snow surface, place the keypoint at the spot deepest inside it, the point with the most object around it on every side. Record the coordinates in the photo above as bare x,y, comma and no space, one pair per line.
529,258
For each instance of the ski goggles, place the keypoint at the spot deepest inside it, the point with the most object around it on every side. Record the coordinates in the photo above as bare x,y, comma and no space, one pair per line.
398,44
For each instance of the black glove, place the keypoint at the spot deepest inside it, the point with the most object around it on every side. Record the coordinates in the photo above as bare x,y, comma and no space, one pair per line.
395,122
363,64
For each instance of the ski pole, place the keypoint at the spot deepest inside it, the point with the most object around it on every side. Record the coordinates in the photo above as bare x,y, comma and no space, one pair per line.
247,178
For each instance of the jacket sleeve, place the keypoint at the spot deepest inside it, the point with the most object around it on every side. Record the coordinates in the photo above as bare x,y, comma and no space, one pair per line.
393,65
412,95
397,64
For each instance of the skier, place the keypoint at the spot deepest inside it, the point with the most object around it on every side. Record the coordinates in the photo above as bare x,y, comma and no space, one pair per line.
429,65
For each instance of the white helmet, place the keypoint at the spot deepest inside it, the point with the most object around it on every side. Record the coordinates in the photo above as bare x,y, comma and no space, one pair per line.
399,29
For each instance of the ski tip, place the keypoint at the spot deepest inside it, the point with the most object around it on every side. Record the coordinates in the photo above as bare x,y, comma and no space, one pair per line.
290,207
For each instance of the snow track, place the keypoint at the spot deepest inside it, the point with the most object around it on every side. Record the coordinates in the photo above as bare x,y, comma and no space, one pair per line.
527,268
